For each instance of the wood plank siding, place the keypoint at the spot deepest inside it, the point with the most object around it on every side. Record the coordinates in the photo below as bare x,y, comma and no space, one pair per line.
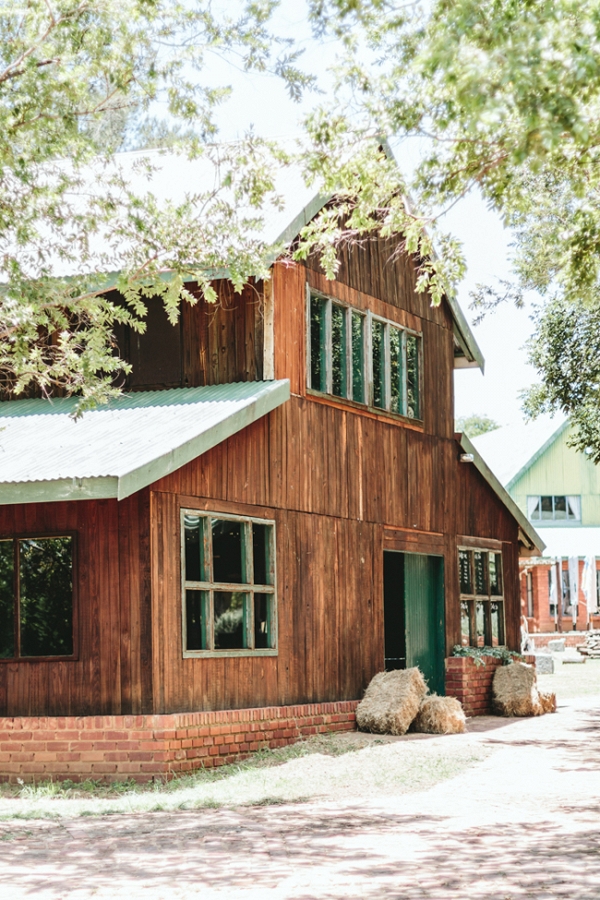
212,343
112,671
341,482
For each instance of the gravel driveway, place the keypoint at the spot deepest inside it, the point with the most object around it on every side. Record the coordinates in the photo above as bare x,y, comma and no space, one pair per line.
524,823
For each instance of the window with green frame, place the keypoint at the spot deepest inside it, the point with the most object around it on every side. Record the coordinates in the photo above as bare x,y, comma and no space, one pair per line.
481,598
362,357
228,585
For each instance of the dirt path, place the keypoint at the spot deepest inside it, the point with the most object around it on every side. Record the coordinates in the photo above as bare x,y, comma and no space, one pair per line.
525,823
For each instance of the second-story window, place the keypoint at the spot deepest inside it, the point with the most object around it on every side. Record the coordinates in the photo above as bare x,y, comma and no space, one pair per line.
362,357
554,508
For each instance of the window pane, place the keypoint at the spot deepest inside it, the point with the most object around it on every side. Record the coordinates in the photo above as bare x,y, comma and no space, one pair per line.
413,401
560,507
262,632
378,354
338,351
574,508
227,551
229,620
196,616
194,549
317,344
552,589
464,572
479,560
396,370
358,356
465,630
46,586
7,600
480,623
533,504
497,613
261,540
495,572
546,507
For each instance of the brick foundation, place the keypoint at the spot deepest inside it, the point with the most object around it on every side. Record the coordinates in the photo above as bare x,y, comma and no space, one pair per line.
472,684
115,748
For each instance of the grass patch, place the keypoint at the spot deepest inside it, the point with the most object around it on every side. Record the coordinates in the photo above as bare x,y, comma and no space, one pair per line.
572,681
326,744
336,767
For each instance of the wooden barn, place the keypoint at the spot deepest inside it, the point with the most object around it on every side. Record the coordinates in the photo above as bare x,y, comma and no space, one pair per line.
275,510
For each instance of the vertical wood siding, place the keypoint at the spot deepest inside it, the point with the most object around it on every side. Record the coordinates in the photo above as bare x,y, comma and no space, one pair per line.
339,481
112,672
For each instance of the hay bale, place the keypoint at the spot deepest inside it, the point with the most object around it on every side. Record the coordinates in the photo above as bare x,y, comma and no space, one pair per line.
440,715
548,701
515,691
391,702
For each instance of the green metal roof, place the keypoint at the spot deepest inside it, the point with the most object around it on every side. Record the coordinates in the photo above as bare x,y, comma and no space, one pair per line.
117,449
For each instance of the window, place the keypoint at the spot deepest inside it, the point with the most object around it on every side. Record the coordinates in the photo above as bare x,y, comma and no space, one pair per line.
529,585
228,585
361,357
36,597
481,598
555,508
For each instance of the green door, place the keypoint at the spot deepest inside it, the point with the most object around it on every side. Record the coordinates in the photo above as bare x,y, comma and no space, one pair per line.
414,615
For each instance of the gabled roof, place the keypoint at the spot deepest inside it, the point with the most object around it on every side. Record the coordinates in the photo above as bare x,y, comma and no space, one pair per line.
175,176
527,533
512,450
117,449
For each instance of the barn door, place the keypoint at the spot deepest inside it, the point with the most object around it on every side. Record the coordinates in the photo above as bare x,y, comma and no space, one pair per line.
414,614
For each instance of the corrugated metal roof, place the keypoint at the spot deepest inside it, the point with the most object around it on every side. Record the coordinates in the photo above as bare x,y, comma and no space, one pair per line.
117,449
509,451
571,541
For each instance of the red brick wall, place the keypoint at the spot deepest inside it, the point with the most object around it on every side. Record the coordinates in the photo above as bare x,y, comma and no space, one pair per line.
472,684
115,748
542,620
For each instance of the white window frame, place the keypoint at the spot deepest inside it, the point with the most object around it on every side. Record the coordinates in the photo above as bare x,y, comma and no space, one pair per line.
210,586
534,500
368,380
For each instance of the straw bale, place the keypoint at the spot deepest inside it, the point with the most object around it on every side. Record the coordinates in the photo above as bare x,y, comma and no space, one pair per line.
391,701
548,701
515,691
440,715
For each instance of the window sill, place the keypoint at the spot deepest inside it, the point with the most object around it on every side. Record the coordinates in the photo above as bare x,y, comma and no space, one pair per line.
371,411
556,523
218,654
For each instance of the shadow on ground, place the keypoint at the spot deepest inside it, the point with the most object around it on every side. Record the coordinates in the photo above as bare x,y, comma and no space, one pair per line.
300,853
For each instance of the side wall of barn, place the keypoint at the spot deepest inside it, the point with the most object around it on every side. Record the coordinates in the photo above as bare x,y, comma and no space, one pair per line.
111,672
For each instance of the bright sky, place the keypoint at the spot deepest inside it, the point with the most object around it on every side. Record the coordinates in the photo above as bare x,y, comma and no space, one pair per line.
262,102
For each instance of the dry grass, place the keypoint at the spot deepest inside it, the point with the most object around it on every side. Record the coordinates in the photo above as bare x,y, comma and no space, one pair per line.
440,715
339,767
515,691
391,702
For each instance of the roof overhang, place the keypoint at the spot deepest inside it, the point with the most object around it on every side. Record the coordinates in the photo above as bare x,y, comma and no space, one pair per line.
529,538
115,450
